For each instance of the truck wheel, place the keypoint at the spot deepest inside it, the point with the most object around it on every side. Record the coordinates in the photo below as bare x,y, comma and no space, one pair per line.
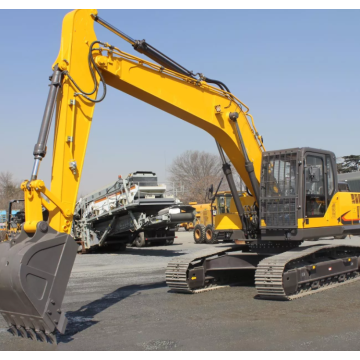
169,241
209,235
140,240
199,234
340,237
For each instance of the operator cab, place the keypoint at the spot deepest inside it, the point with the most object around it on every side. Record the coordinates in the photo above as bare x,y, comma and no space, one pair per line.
223,201
296,184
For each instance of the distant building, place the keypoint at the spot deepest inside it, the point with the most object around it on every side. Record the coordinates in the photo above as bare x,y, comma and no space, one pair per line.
353,179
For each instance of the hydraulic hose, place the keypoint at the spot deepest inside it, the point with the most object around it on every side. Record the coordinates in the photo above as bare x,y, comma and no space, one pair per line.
91,61
217,82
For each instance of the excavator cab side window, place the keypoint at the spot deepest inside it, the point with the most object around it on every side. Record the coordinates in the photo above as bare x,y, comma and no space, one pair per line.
228,202
315,186
221,204
330,178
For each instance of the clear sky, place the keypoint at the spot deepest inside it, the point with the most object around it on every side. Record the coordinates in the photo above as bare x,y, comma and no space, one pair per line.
297,70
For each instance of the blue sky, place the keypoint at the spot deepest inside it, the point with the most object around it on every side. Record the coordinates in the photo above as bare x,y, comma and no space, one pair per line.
297,70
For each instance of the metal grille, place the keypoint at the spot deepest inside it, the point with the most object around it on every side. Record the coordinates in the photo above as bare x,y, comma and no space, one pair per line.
279,190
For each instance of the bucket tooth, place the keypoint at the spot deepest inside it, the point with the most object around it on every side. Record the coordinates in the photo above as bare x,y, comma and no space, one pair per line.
52,338
34,272
13,330
41,336
22,332
31,334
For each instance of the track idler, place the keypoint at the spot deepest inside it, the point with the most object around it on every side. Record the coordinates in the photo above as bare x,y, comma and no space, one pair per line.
34,272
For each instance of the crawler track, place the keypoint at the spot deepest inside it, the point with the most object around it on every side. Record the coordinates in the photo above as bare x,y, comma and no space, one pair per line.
269,274
176,271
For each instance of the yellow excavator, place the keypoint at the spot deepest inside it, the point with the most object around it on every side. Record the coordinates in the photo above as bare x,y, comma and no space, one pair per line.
295,191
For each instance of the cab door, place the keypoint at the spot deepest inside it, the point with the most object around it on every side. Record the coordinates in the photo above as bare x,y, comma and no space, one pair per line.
315,181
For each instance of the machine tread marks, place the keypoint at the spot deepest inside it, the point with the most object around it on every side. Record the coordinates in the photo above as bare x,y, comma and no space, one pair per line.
177,270
269,274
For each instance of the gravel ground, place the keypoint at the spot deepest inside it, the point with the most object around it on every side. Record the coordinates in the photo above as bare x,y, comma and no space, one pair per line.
121,302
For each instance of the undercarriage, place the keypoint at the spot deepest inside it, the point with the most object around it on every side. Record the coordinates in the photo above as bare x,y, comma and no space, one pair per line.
280,270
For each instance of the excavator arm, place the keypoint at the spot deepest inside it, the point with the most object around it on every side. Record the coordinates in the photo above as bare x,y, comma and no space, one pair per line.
187,98
44,252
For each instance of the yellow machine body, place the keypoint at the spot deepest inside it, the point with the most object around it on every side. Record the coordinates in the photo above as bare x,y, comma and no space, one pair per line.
227,218
344,209
202,216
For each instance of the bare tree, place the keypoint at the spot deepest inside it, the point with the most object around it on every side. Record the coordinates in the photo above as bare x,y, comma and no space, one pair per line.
9,190
194,171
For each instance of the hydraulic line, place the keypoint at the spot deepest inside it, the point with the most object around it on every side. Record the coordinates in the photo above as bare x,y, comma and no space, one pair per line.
91,61
217,82
56,80
145,48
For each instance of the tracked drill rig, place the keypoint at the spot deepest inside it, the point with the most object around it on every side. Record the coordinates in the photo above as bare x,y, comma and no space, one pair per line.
295,190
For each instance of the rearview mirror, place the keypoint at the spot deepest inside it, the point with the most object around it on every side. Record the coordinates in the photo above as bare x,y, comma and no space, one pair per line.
211,190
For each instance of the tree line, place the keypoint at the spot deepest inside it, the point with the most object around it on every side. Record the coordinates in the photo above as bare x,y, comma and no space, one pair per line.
10,190
194,171
349,164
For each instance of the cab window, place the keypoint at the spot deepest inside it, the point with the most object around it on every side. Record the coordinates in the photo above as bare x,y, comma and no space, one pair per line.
221,204
343,186
330,178
315,186
228,201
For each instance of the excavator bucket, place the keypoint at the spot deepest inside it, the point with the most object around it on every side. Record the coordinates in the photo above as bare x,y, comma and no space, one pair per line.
34,272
